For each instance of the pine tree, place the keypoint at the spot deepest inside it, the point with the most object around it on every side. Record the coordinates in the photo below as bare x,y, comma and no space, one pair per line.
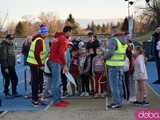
98,27
93,27
88,27
71,19
71,22
125,25
19,29
103,28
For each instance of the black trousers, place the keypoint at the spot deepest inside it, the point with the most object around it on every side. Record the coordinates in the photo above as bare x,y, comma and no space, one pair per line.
158,67
64,82
126,85
85,82
9,76
36,82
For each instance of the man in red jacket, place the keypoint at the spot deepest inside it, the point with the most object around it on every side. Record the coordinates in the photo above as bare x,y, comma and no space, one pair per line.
57,61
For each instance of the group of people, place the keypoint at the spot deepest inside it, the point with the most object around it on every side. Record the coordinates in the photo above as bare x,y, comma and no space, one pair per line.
98,68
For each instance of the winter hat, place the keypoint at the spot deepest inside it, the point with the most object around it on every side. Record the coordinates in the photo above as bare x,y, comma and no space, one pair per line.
70,43
67,29
9,37
43,29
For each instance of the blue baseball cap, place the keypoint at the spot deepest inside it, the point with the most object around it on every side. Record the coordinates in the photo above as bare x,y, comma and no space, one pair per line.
43,29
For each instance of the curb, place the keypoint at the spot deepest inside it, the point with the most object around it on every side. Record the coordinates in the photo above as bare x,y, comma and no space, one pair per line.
153,90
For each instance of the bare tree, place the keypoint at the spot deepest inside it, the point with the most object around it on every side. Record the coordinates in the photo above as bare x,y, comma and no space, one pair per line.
11,27
51,21
153,10
3,20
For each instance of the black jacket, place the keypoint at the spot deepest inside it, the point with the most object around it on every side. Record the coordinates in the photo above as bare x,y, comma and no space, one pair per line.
155,39
7,54
93,45
25,51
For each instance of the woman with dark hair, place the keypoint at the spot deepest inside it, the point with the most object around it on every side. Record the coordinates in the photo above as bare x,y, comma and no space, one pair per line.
57,61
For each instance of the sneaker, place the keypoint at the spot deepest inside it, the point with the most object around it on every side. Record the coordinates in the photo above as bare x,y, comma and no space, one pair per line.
96,95
43,99
82,94
145,103
102,95
59,104
65,102
92,92
132,99
40,95
86,94
28,97
35,103
137,102
65,93
8,95
114,106
17,95
43,103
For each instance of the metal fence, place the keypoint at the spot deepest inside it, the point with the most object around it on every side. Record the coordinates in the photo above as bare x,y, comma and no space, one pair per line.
19,40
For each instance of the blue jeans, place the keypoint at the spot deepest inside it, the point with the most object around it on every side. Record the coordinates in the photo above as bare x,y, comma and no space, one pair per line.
116,84
56,81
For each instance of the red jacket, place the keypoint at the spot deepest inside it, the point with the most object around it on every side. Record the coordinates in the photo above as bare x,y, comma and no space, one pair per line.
58,48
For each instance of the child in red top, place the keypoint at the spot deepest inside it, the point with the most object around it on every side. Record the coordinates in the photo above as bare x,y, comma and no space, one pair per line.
74,70
74,62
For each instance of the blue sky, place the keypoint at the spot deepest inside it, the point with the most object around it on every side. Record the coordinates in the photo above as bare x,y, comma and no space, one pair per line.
84,9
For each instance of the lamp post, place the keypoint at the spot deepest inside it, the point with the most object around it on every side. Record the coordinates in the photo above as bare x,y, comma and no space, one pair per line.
130,18
130,3
148,2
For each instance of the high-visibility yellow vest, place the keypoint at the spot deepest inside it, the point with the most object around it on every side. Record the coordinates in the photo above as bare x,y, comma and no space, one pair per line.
31,57
118,59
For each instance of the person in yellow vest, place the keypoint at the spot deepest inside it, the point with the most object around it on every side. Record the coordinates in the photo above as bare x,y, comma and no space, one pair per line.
115,61
36,59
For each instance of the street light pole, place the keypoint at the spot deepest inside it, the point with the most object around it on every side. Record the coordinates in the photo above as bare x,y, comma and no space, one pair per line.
130,18
128,10
130,3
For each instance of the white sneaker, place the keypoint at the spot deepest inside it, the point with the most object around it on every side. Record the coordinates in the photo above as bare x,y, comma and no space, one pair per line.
86,94
132,99
96,95
82,94
103,95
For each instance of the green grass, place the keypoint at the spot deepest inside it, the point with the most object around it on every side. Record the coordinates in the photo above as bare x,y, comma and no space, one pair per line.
143,37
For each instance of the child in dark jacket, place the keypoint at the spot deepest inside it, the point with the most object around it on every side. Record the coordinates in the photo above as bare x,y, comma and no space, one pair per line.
84,67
